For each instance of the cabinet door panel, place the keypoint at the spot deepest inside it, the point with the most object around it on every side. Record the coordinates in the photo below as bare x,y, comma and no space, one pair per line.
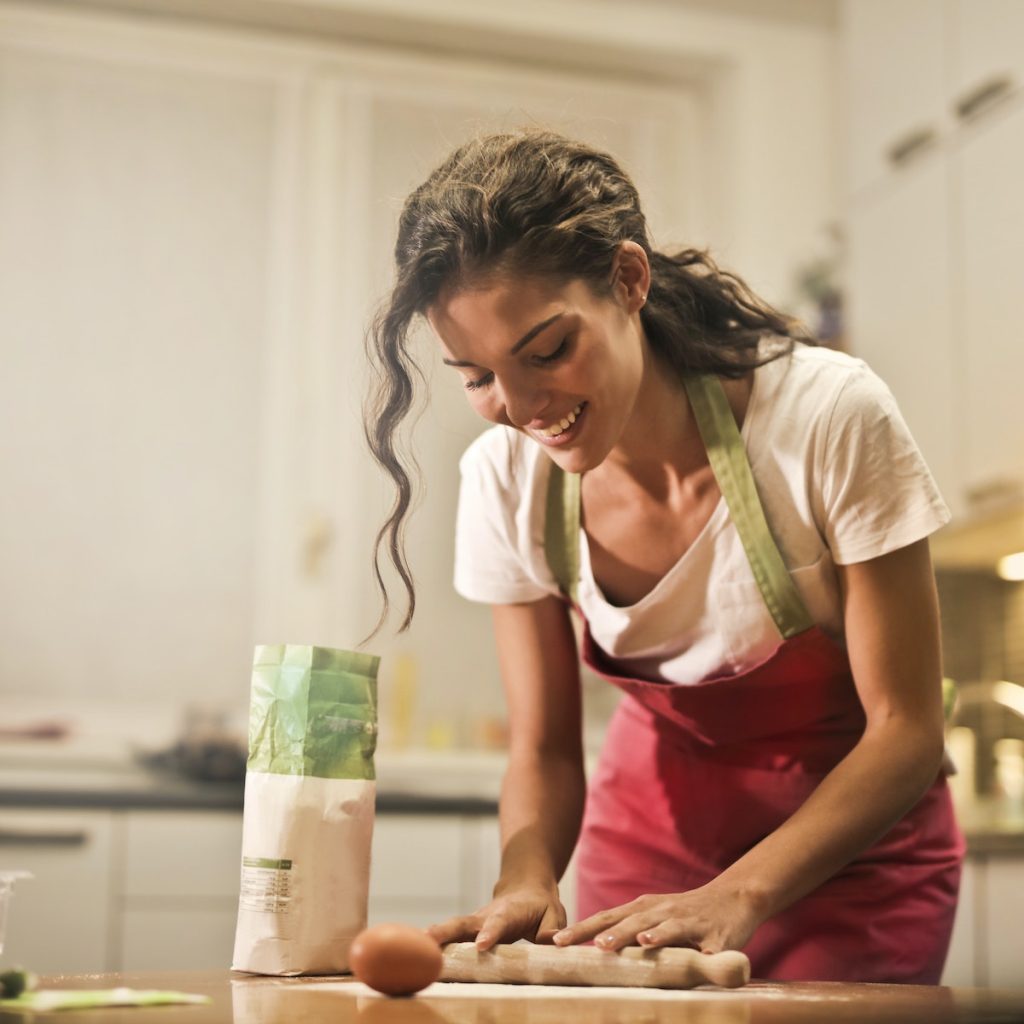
901,309
989,38
991,168
183,938
170,853
59,920
1004,912
418,857
959,968
892,80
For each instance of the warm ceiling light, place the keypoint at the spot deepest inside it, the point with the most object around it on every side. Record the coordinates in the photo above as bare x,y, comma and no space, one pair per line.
1011,567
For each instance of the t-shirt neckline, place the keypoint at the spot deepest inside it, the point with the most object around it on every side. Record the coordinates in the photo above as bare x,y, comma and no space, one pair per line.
719,516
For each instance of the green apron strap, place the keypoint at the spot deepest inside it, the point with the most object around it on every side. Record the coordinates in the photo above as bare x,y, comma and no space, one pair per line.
562,530
729,463
731,467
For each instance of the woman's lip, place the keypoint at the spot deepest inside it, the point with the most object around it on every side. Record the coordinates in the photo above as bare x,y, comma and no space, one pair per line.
566,435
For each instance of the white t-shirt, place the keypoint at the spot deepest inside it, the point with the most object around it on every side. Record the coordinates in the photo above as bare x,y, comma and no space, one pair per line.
841,481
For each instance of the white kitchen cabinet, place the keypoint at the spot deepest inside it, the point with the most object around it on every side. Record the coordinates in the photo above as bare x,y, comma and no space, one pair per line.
60,920
989,46
189,936
181,854
990,168
178,889
427,868
893,85
1004,922
936,246
419,869
962,963
901,308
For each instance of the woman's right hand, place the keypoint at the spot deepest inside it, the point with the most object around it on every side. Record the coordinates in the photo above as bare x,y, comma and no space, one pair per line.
532,913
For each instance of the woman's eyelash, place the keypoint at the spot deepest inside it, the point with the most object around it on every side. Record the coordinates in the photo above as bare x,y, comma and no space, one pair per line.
488,378
557,354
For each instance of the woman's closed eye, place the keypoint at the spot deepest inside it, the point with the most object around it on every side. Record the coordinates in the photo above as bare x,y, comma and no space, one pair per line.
552,357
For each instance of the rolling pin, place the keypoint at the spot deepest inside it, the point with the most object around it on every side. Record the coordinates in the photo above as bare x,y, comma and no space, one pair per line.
633,967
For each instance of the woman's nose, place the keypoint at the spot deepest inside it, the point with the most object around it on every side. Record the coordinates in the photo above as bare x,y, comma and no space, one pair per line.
523,405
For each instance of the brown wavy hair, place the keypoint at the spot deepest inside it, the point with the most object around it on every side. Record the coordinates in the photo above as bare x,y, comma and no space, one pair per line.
535,203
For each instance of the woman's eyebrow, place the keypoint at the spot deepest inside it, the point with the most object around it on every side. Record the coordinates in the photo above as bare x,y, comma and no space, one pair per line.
521,343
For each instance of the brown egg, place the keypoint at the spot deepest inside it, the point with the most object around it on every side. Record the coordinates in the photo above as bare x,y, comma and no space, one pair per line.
395,959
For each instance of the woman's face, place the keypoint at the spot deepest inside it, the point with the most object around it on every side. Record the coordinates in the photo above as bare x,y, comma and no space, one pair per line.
556,362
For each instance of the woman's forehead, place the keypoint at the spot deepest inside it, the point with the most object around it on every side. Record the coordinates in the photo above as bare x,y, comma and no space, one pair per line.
501,309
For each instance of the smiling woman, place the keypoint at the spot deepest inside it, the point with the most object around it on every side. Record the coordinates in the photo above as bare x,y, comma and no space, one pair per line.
740,520
534,222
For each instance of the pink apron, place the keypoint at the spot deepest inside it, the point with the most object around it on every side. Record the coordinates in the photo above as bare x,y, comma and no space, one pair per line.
693,776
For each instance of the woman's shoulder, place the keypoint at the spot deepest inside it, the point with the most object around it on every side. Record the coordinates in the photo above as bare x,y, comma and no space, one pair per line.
815,379
816,362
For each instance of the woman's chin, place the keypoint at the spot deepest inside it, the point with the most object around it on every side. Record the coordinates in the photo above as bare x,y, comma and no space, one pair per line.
572,460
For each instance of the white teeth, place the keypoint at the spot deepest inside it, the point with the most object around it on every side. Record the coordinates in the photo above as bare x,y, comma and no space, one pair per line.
557,428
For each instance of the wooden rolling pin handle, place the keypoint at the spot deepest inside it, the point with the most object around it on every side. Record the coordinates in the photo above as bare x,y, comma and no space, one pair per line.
633,966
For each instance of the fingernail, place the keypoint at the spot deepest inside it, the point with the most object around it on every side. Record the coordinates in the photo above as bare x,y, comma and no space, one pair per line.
606,940
645,937
563,936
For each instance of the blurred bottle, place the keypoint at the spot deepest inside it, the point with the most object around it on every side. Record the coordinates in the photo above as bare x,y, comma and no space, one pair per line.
1009,755
402,702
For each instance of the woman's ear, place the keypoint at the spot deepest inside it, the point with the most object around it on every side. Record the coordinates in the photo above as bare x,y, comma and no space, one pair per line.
631,276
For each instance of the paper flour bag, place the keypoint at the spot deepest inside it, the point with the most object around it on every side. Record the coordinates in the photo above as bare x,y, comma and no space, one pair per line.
309,803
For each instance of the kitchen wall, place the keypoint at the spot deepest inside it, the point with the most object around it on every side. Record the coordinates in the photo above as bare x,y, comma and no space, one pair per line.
198,206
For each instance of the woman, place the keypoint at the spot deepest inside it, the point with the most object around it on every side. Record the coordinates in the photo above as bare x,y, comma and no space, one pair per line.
740,519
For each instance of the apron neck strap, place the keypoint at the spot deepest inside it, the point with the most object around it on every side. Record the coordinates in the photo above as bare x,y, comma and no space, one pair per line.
562,530
729,463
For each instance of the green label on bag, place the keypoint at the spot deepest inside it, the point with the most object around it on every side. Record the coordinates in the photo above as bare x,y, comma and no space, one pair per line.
267,862
313,712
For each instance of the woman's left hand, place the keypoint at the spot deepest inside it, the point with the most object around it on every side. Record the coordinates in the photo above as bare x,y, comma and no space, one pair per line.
709,919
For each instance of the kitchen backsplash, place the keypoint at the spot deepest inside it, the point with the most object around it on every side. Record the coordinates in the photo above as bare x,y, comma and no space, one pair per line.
982,626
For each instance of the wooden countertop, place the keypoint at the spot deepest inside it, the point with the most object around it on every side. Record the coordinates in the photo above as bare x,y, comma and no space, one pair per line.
243,999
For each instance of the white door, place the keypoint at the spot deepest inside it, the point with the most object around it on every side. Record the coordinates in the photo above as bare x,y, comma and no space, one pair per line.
139,188
383,129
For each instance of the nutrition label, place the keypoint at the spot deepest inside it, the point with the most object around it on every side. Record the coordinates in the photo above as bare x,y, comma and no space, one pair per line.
266,885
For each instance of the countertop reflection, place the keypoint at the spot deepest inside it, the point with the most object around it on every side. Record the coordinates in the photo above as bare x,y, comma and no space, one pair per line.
242,999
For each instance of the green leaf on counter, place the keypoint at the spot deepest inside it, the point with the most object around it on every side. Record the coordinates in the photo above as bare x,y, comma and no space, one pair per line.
46,1000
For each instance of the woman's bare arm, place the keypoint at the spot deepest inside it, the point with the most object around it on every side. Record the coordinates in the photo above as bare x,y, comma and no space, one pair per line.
543,791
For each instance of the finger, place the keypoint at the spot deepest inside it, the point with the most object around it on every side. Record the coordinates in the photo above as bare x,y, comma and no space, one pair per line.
456,929
625,932
495,927
554,920
590,926
676,932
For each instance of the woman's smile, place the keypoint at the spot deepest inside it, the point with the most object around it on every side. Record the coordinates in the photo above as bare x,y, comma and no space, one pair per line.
561,432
